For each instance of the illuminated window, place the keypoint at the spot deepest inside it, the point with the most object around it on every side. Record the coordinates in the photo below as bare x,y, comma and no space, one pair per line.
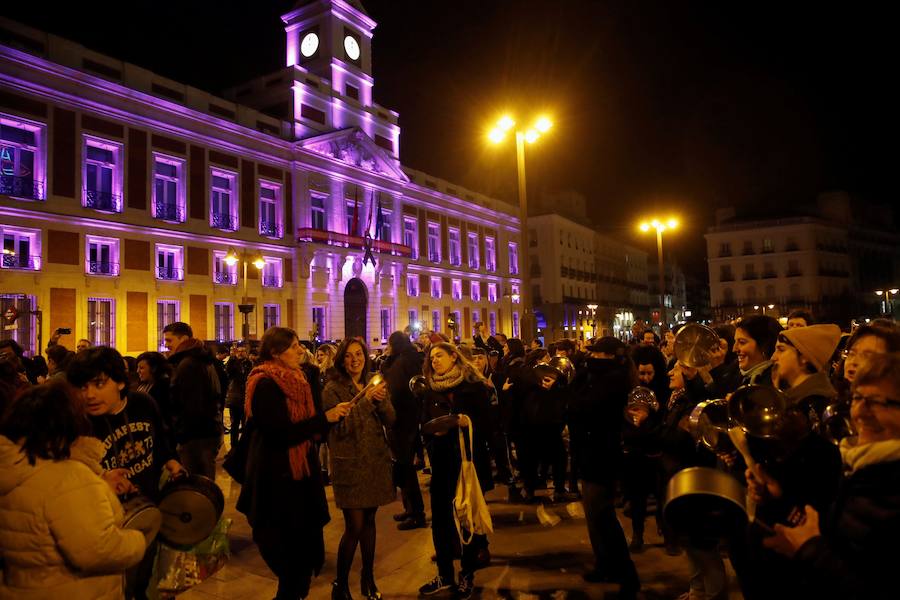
25,332
272,275
101,256
515,324
436,287
101,321
475,291
492,292
270,210
435,320
320,329
490,255
456,289
385,233
411,236
386,324
515,293
21,248
223,318
317,212
473,251
102,175
513,258
492,323
454,247
434,242
167,311
271,315
22,158
168,188
223,204
352,218
223,273
169,262
412,285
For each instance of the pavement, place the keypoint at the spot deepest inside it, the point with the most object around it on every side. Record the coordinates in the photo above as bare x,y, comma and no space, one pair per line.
531,560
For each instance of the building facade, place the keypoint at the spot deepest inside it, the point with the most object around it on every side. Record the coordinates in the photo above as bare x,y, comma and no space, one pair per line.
128,201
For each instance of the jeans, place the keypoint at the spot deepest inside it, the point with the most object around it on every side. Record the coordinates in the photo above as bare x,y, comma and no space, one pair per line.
199,456
607,538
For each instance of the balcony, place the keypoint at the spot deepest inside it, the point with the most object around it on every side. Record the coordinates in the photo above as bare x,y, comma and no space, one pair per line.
169,274
166,211
748,251
96,267
750,276
271,229
23,262
223,222
104,201
791,247
225,278
333,238
770,275
724,253
21,187
794,273
272,281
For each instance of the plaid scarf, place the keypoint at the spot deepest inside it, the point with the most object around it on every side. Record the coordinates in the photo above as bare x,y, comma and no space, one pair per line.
298,396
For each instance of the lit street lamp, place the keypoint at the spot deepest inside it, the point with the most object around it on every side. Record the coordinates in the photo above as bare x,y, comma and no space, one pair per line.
764,307
531,135
231,259
593,309
660,226
887,306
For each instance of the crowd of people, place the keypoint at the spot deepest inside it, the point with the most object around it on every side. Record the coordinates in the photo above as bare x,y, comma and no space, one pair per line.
96,427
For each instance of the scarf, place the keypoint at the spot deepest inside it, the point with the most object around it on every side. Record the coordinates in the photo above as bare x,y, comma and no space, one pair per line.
298,396
450,379
858,456
756,370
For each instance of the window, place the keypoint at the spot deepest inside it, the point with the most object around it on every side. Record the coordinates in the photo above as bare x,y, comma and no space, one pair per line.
386,324
749,271
748,247
793,268
456,289
223,203
317,212
436,287
167,311
492,323
26,325
434,242
271,315
384,233
492,292
168,189
21,248
21,158
411,236
169,262
270,210
454,247
490,255
514,294
223,273
473,251
413,320
272,272
513,258
435,320
767,245
352,218
224,321
728,296
456,324
102,175
101,321
412,285
101,256
476,316
515,324
725,273
475,291
320,330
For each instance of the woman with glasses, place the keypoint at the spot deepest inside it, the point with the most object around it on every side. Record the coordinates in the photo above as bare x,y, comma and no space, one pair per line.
849,551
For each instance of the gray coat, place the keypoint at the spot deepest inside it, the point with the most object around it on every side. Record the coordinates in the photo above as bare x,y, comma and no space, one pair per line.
361,473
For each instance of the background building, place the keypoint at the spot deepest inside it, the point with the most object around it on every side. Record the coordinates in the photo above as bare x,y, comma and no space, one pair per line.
122,193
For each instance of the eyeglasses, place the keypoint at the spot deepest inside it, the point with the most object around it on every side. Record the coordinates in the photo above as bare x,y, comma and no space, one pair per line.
98,382
870,400
864,355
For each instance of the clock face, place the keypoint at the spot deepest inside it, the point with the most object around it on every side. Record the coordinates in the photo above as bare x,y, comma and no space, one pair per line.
351,47
309,45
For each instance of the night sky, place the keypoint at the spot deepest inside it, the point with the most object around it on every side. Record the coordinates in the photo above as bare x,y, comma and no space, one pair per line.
659,107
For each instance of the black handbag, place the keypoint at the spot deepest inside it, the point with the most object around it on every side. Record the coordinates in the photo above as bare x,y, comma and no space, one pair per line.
235,463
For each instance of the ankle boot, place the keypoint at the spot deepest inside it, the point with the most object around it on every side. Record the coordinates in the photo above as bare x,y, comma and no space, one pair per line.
340,591
367,587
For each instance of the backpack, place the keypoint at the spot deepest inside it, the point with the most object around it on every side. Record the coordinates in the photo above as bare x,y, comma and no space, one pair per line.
470,511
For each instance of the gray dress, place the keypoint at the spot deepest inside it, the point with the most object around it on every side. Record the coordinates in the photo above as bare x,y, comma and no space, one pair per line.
361,473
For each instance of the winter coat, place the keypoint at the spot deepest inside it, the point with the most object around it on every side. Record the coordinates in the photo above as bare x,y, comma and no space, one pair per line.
398,370
196,393
60,533
361,473
812,395
237,370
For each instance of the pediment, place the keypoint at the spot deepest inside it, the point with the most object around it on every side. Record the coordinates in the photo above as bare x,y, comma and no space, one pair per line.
353,147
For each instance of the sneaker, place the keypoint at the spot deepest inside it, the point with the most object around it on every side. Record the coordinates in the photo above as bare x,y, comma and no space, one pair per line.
465,588
436,585
412,523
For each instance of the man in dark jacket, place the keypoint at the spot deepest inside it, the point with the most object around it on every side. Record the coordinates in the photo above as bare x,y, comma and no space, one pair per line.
237,368
404,362
196,397
483,339
598,404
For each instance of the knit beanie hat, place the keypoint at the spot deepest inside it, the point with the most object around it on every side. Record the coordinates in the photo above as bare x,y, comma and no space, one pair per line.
816,343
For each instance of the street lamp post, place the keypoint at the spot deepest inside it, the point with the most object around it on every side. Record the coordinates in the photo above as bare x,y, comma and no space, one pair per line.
593,309
497,135
888,304
660,227
764,307
232,258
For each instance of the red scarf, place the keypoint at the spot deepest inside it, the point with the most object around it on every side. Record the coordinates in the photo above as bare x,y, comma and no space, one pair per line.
299,404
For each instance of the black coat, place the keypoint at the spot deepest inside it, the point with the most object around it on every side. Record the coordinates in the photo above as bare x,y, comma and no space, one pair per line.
856,554
196,394
600,392
398,370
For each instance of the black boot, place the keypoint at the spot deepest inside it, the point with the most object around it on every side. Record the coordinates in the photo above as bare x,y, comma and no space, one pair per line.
367,587
340,591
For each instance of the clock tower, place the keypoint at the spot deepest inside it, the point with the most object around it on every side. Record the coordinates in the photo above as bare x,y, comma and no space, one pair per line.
329,46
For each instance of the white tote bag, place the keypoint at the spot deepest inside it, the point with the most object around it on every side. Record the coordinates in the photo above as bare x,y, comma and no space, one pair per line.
470,511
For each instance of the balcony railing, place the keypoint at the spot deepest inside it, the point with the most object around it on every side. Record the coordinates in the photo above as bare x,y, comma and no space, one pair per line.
434,257
333,238
97,267
23,262
271,229
166,211
770,275
223,222
225,278
100,200
169,273
490,267
726,278
271,280
473,264
750,276
794,273
21,187
748,251
792,247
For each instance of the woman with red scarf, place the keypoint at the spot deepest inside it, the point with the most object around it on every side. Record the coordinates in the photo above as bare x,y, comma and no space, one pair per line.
283,495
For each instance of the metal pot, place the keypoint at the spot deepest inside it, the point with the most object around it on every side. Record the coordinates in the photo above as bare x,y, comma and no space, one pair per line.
709,423
706,502
759,410
694,344
558,367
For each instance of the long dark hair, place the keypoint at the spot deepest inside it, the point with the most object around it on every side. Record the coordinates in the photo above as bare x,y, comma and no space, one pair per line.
470,373
46,419
342,354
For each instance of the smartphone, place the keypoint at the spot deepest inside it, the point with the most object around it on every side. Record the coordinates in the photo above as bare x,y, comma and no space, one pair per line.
64,331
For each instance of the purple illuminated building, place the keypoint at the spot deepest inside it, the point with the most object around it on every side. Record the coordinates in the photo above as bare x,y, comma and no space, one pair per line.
124,197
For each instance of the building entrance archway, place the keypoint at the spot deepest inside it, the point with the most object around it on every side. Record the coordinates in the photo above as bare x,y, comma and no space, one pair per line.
356,308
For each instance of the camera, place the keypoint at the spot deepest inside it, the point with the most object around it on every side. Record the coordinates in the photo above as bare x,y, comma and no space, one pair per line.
64,331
